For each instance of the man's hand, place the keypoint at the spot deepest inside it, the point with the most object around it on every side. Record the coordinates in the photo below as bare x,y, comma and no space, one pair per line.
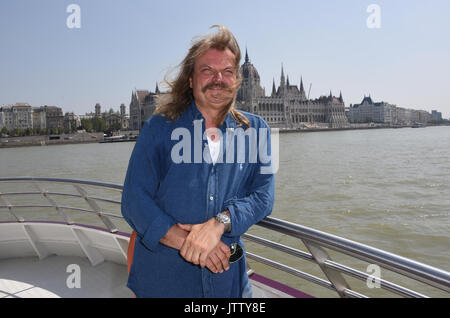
174,237
202,239
218,258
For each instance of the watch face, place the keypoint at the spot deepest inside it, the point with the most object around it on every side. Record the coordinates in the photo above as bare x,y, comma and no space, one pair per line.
223,218
226,218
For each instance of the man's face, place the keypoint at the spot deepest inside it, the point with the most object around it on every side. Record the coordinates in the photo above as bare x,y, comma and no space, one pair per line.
214,78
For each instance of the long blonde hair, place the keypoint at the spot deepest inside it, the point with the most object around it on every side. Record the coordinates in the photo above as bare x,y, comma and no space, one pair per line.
174,103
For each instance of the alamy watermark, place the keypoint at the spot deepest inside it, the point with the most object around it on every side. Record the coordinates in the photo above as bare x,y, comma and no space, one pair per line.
254,151
374,280
374,19
73,21
74,279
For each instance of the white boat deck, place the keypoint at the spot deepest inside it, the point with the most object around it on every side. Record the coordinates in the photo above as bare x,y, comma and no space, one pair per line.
48,278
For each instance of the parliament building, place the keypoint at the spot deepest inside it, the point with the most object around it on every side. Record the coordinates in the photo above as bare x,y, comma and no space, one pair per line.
287,106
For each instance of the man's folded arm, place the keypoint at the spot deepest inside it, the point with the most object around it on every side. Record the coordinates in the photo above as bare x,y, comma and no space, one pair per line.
141,183
258,203
251,209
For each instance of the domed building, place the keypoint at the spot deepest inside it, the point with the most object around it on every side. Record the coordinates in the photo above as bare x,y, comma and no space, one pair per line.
288,106
250,86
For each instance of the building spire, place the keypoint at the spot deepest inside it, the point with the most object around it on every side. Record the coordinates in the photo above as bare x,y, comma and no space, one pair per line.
246,55
340,97
287,81
157,89
302,89
282,80
274,90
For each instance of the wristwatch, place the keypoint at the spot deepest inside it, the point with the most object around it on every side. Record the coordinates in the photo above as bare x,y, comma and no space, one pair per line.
224,218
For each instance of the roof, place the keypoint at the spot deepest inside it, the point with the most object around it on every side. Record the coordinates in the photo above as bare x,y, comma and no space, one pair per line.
367,99
247,68
141,94
21,104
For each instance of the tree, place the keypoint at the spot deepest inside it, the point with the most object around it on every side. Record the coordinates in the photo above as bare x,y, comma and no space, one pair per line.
115,127
87,125
98,124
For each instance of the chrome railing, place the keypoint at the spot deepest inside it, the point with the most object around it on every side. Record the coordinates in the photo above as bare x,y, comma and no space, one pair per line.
316,242
50,196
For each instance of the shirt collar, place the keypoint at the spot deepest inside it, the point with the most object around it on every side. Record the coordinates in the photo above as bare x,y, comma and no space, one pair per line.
229,121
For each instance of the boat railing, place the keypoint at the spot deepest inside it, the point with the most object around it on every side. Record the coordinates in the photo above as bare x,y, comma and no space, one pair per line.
316,242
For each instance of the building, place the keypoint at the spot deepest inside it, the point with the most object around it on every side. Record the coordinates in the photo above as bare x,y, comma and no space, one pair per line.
288,106
22,116
4,112
98,110
71,122
2,119
54,118
436,116
142,106
113,120
18,116
368,111
39,118
423,117
125,121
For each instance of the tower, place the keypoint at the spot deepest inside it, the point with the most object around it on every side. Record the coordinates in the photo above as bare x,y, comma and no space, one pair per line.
98,111
274,90
251,86
302,90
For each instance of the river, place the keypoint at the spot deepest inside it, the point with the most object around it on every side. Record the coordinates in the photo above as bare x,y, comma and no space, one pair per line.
388,188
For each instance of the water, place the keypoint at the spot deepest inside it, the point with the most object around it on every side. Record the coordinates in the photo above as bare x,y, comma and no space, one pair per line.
388,188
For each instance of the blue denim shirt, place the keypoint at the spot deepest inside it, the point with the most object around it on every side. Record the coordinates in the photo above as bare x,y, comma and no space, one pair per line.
161,190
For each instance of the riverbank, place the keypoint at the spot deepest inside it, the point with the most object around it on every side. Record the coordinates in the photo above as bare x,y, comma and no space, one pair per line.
63,139
351,127
84,137
294,130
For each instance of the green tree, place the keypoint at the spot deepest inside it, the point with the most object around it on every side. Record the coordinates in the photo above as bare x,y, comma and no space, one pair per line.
98,124
86,124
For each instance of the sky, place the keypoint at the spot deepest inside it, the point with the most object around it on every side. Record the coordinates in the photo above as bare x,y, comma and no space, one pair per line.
398,52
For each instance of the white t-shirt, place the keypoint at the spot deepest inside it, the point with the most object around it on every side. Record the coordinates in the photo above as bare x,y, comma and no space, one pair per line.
214,149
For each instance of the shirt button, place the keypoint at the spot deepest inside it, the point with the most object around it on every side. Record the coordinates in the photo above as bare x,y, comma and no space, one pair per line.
211,197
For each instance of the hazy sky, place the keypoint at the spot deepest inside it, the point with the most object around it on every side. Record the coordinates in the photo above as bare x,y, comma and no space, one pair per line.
124,44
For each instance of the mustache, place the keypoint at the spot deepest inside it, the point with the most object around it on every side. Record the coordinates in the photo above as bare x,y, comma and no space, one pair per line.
220,85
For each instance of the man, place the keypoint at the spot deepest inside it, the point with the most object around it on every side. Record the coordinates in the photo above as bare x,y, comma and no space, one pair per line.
186,203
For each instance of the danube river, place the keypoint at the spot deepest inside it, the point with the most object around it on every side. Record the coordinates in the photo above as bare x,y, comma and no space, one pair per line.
388,188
